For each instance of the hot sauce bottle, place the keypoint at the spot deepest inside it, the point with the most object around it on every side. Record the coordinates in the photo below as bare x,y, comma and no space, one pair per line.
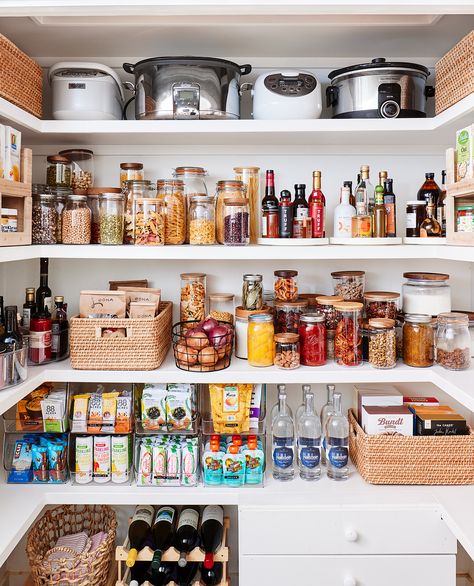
270,208
285,214
317,205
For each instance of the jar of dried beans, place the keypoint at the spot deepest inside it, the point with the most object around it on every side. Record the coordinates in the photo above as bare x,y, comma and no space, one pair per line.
453,341
286,285
287,315
312,332
236,222
349,284
348,340
325,305
225,191
287,355
250,179
193,296
382,343
382,304
149,222
76,220
418,340
44,219
111,208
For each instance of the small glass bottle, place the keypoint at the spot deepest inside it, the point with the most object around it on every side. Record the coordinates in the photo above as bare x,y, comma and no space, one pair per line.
270,228
380,214
261,347
302,224
326,412
390,204
202,223
111,214
283,441
76,220
361,226
453,341
429,190
337,442
28,309
430,227
149,222
415,214
287,355
236,222
59,330
285,215
39,349
309,441
441,207
382,343
252,292
348,341
343,215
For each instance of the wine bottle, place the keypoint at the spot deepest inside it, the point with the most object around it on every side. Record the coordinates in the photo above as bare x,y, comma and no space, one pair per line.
60,330
43,293
138,530
212,576
212,531
162,532
186,533
11,337
29,308
186,575
164,574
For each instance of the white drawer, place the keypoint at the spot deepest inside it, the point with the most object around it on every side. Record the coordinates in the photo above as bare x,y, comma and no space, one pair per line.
347,570
310,531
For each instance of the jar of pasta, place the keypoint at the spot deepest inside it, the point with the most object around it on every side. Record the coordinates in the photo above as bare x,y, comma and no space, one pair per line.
261,347
193,296
131,172
226,190
202,225
287,315
149,226
252,292
221,306
250,177
194,181
348,340
134,190
286,285
171,192
418,340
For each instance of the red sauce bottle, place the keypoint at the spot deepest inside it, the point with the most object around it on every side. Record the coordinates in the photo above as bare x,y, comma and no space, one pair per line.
39,350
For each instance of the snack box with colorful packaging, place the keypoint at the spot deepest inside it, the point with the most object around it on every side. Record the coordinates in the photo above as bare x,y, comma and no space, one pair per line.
167,408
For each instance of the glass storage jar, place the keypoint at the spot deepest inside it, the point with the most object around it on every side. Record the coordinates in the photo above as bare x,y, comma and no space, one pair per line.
111,208
93,202
250,177
58,171
241,329
202,224
287,356
311,298
382,343
171,192
418,340
131,172
286,285
381,304
415,214
60,196
453,341
312,333
330,335
325,305
236,222
44,219
365,332
193,296
221,306
134,190
252,292
261,347
226,190
347,339
76,220
349,284
287,315
149,222
426,293
470,316
82,168
194,181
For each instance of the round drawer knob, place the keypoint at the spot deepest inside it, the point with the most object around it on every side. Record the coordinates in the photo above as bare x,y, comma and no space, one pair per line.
351,535
350,581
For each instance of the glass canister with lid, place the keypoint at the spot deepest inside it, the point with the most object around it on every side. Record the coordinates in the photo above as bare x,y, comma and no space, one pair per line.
241,329
131,172
134,190
236,222
44,219
349,285
111,214
93,202
60,197
311,298
202,223
286,285
470,316
418,340
76,220
252,292
194,181
287,354
171,192
382,343
58,171
82,168
228,189
383,304
325,305
313,346
426,293
149,222
347,339
261,346
287,315
221,306
453,341
193,296
250,177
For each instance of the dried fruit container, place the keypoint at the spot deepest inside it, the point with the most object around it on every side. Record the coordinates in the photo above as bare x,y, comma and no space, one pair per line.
382,304
287,354
286,285
287,315
348,340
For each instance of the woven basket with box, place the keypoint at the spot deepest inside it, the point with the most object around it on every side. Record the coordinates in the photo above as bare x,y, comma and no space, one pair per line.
397,459
21,78
455,74
57,566
144,346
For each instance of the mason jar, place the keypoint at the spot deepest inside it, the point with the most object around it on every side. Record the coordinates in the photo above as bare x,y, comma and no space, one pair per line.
93,202
236,222
261,347
453,341
111,207
202,224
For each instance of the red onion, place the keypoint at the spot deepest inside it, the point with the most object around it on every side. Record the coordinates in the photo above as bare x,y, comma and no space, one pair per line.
192,331
218,336
208,325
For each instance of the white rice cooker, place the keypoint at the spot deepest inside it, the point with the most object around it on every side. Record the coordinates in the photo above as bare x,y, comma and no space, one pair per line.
85,91
286,95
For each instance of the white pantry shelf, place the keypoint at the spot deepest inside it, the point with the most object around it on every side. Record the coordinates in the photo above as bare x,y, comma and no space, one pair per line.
437,131
238,253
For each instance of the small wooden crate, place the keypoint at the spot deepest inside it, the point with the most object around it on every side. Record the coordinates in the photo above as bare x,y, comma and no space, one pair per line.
17,195
457,193
171,555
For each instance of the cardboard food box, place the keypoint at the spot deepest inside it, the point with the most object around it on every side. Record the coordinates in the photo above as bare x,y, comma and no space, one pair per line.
375,396
440,424
387,420
420,401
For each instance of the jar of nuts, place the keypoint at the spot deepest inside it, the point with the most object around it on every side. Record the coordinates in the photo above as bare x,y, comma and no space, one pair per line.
149,221
76,220
286,285
44,219
287,355
347,339
453,341
382,343
82,168
381,304
349,284
111,206
202,223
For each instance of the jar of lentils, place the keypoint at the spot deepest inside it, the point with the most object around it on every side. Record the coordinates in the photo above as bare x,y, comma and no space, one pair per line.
453,341
287,355
76,220
93,195
112,207
286,285
382,343
58,171
348,340
44,219
312,333
349,285
418,340
287,315
382,304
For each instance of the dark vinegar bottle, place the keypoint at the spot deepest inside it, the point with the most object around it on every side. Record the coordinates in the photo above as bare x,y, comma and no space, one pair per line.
11,336
43,293
212,576
163,533
60,330
212,531
429,190
186,533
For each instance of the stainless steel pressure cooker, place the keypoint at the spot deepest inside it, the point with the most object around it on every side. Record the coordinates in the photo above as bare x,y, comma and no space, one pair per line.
379,89
186,88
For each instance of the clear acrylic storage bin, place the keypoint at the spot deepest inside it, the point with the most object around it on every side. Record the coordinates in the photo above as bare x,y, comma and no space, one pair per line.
13,367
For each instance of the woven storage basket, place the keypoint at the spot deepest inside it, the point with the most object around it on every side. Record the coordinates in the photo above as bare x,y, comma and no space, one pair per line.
144,347
455,74
88,569
21,78
384,459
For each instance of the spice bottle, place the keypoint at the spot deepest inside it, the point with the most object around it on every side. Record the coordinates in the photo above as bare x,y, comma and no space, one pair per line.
39,349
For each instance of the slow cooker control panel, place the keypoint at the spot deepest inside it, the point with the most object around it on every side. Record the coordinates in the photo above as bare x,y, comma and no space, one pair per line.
297,85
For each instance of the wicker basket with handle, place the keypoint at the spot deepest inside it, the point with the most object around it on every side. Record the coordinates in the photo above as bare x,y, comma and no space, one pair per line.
87,569
396,459
21,78
144,346
455,74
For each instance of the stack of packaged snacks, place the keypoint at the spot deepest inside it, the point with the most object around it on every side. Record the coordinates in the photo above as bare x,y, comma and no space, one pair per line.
168,407
103,458
102,412
44,409
39,459
167,460
230,407
233,461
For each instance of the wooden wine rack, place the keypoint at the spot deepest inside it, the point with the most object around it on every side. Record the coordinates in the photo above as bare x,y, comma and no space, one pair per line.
171,555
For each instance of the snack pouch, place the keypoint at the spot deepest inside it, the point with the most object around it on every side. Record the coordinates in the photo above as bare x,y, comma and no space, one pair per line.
153,407
189,462
230,406
95,416
179,410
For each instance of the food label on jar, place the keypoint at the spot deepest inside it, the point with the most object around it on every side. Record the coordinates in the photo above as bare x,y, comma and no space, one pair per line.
231,399
264,227
309,451
411,219
338,456
40,339
283,452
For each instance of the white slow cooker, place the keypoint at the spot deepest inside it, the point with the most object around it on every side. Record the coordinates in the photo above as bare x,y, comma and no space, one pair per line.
85,91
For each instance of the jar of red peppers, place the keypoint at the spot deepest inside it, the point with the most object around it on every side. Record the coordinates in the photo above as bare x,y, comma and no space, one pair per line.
325,305
286,285
311,298
348,340
313,339
287,315
382,304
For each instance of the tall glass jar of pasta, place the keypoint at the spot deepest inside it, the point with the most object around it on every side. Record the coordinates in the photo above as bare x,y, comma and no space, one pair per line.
171,192
193,296
133,190
250,177
194,181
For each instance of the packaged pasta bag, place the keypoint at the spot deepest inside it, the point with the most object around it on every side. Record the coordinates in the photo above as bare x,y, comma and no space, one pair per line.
230,407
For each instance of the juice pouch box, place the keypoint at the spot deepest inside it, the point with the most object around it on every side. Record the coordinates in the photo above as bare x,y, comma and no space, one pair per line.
234,467
178,409
12,154
212,465
153,407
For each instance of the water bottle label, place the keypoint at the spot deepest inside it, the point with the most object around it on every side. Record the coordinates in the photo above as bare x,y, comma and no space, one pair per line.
283,457
338,456
309,451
